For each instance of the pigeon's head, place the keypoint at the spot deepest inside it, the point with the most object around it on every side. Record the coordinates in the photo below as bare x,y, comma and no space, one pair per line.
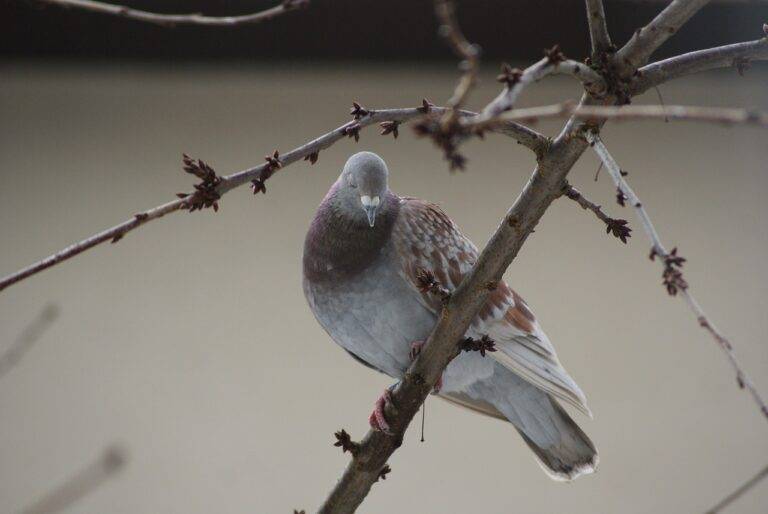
363,186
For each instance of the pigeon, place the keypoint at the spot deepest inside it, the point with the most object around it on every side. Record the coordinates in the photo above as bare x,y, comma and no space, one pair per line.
364,254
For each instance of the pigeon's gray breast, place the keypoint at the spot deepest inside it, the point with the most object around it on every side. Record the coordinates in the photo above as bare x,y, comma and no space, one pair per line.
374,315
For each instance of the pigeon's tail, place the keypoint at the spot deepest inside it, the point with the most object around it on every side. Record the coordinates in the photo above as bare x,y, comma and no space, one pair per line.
570,457
562,448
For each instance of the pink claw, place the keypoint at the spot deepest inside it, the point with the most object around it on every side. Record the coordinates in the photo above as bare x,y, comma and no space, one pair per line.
377,419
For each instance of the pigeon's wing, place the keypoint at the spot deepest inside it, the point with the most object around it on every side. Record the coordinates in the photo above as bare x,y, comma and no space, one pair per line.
425,238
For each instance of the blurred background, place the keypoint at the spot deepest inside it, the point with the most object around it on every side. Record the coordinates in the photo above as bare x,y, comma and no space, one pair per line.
189,342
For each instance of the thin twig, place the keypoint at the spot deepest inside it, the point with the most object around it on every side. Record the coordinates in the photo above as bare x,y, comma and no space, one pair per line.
309,150
28,337
725,116
85,481
679,286
647,39
445,133
735,495
617,227
701,60
466,51
169,20
598,29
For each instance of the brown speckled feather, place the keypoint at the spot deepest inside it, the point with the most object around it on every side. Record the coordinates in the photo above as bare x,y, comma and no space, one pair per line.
425,238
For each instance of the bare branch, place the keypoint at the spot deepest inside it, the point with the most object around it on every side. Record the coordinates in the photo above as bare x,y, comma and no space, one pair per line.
466,51
448,132
738,493
308,151
110,463
725,116
28,337
694,62
170,20
444,134
598,29
647,39
617,227
554,63
672,277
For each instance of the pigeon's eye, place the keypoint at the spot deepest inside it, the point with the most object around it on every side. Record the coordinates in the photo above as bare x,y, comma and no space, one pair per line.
353,185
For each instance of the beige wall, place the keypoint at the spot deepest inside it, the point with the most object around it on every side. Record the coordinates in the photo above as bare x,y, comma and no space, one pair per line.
190,342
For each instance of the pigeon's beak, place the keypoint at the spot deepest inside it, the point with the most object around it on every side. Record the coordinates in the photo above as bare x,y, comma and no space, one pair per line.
370,206
370,211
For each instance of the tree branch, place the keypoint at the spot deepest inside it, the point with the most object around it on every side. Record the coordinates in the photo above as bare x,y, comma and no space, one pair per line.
617,227
169,20
738,493
598,29
554,63
647,39
260,174
545,185
694,62
726,116
466,51
28,337
517,80
109,463
673,279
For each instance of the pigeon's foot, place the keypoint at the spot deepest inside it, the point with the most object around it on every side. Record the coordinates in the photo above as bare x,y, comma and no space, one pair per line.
377,419
416,347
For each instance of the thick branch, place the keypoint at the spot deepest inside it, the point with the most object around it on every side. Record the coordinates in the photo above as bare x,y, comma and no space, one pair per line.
694,62
647,39
672,276
180,19
545,185
523,135
725,116
598,29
